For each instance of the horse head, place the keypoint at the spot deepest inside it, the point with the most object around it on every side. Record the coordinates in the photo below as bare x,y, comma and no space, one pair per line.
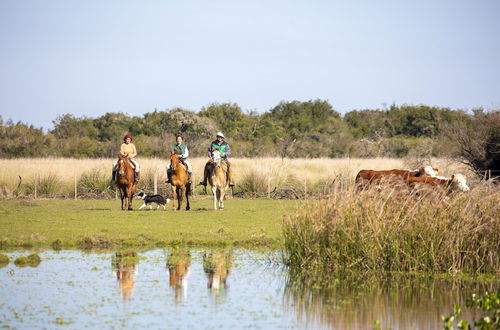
122,165
217,159
174,160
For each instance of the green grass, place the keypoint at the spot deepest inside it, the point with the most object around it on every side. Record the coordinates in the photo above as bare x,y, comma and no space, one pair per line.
102,223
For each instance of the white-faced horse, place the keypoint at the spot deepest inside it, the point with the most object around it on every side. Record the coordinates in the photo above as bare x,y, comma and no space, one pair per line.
217,180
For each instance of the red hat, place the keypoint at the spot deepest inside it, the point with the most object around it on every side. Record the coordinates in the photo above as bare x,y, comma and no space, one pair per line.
128,136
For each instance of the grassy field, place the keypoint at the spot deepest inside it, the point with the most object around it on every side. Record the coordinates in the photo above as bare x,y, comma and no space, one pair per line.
101,223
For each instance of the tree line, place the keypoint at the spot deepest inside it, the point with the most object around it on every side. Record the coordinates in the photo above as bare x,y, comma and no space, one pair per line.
290,129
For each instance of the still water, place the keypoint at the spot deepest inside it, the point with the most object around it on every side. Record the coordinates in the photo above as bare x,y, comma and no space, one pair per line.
208,289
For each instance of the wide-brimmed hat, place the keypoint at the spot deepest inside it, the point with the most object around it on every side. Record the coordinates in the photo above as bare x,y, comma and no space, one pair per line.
128,136
220,134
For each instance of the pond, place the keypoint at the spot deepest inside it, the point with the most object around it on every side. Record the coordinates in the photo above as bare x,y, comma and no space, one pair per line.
209,289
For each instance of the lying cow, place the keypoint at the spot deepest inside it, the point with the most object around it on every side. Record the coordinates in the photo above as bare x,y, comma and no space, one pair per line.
366,177
457,182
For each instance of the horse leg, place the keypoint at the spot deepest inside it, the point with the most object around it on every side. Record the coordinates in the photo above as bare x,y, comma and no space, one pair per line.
125,197
180,192
173,197
122,196
221,199
130,194
187,200
214,192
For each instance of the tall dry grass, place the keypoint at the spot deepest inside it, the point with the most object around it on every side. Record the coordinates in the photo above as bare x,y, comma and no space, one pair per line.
395,230
56,177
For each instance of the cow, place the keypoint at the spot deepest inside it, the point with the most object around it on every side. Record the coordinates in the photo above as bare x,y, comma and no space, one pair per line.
457,182
366,177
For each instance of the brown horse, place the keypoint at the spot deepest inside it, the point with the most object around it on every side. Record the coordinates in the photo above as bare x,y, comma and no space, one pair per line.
125,182
217,179
179,181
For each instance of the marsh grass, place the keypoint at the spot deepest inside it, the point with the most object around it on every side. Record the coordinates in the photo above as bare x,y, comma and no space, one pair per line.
349,232
95,183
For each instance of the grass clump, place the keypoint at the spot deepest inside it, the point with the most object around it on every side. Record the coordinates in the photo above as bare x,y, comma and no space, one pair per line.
396,231
4,260
95,184
33,260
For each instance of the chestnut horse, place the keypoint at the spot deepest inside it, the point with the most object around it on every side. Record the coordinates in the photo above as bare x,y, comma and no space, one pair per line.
125,182
179,181
217,179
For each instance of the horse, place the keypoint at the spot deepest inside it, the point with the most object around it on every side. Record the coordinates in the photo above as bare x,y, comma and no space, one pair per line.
179,181
125,182
218,180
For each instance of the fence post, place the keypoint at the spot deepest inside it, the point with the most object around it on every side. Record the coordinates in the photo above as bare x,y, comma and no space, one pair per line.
305,188
76,189
36,184
155,183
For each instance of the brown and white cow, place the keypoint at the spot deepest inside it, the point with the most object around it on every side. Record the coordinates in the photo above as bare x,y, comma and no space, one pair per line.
457,182
366,177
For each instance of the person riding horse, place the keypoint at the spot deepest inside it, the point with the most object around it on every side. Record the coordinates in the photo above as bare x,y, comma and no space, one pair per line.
128,149
225,151
182,150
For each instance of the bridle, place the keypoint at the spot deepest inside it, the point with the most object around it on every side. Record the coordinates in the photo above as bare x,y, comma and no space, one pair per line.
122,166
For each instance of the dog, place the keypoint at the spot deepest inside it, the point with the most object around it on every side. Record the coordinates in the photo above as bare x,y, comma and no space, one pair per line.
150,199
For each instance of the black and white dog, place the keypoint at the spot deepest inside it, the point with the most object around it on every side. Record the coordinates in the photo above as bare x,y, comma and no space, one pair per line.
150,199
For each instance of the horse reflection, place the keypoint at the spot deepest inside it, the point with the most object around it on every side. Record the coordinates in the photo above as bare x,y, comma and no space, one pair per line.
217,266
178,268
125,266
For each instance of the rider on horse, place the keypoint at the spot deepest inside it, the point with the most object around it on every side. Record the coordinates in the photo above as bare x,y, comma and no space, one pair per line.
182,150
225,151
128,149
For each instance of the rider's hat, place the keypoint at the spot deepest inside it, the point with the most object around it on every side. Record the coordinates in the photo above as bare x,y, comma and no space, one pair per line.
220,134
128,136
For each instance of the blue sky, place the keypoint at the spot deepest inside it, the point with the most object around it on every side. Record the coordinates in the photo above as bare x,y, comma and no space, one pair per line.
91,57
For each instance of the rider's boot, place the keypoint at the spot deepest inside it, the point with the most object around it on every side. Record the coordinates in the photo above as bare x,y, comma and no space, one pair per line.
169,174
113,175
137,176
189,177
205,177
231,182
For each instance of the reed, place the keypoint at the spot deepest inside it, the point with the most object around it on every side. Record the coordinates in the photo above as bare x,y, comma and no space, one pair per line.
356,233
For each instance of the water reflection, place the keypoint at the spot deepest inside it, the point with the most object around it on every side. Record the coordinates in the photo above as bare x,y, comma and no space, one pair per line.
217,267
178,269
260,296
125,266
404,301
